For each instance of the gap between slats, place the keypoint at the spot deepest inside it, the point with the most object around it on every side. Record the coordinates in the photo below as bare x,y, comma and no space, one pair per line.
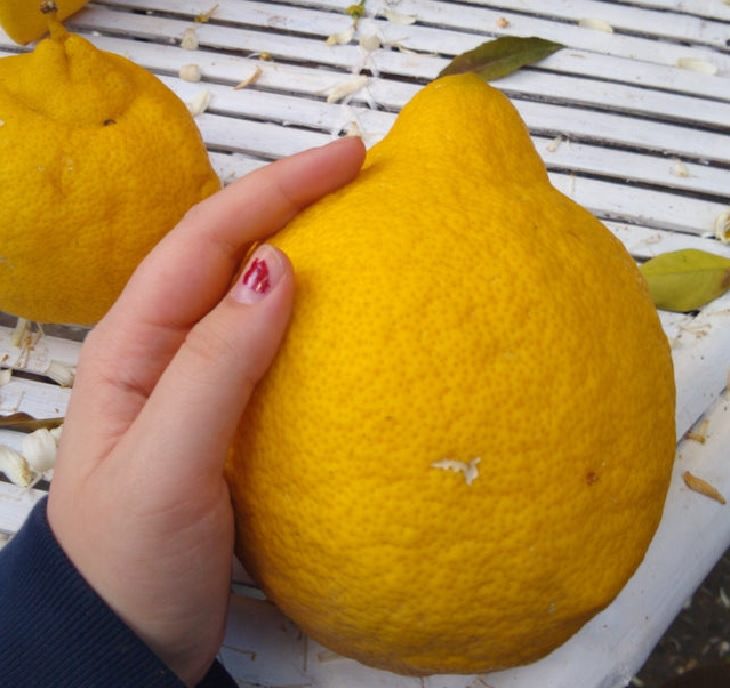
706,9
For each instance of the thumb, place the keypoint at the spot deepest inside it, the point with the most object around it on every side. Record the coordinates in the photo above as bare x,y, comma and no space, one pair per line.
192,413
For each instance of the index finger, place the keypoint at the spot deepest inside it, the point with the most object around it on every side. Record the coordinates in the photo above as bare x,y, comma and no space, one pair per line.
189,271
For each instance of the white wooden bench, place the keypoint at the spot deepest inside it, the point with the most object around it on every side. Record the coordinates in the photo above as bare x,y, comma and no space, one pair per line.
627,126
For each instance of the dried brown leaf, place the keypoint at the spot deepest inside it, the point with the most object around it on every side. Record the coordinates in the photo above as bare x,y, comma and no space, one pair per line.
702,487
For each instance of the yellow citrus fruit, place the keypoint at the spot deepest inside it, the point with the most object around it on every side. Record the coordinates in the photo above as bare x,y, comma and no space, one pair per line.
462,450
98,160
23,20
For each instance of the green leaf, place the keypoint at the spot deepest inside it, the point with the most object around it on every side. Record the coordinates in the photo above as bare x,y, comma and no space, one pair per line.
357,10
502,56
686,280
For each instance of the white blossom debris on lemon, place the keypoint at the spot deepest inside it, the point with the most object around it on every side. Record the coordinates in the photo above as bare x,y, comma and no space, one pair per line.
342,37
190,39
252,78
595,24
346,88
696,65
61,373
199,103
722,227
190,72
470,470
15,467
679,169
39,450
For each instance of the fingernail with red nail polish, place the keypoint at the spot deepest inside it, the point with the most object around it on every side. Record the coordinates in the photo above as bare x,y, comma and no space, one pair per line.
261,274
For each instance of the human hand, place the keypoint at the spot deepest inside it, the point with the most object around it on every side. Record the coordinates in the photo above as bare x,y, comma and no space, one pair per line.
138,500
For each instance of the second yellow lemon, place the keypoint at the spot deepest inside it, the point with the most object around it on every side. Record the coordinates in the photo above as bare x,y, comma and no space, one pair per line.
462,450
98,160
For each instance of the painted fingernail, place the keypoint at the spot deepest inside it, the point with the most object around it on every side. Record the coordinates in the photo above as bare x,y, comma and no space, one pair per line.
261,274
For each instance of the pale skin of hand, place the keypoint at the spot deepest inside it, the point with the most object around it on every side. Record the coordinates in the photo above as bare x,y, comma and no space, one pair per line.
138,501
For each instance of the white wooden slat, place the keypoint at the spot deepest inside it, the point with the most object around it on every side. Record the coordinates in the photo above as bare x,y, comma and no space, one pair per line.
621,98
701,8
645,242
623,70
608,128
450,42
701,362
638,20
658,209
39,399
637,167
258,138
12,439
472,19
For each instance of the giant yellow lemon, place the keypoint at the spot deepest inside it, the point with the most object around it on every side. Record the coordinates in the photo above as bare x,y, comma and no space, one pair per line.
462,451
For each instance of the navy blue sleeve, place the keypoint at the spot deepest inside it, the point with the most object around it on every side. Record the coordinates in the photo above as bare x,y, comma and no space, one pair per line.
55,630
